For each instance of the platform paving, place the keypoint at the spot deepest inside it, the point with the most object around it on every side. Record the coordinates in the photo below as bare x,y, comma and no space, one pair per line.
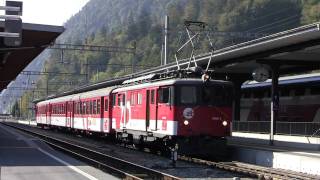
25,157
291,153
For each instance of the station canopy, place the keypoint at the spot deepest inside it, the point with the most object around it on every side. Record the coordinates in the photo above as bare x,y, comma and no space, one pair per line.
35,38
295,51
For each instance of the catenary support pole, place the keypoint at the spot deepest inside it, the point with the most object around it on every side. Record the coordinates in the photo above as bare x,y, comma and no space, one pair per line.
166,40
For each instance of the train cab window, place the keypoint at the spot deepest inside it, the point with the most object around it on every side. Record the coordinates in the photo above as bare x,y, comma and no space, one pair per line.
98,106
119,99
139,98
106,104
217,95
188,95
152,97
164,95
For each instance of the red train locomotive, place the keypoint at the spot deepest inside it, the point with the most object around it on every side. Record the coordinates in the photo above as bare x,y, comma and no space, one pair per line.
153,113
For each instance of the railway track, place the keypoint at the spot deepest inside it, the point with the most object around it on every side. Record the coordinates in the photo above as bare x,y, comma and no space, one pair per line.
237,167
254,170
115,166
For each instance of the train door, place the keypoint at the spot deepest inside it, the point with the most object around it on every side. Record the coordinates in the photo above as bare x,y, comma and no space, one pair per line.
153,110
69,113
124,110
47,109
147,110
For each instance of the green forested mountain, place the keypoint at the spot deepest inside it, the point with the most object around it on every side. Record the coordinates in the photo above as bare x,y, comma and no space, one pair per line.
140,22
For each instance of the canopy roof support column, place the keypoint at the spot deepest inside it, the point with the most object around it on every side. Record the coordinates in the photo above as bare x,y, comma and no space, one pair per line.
274,101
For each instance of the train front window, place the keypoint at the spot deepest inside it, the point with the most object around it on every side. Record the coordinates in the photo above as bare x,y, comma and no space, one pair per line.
188,95
213,95
220,95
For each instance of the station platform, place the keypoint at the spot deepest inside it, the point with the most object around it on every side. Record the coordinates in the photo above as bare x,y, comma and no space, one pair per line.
25,157
295,153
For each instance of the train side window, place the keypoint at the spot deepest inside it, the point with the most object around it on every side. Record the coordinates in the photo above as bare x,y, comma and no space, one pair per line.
315,90
139,98
284,92
123,99
164,95
81,108
132,99
98,106
247,94
299,92
91,107
94,109
119,99
106,105
152,96
85,107
114,99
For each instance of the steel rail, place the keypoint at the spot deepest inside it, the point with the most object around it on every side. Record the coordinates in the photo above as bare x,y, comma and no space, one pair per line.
113,165
253,170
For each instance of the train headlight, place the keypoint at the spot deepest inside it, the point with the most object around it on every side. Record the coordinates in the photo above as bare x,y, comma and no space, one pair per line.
205,77
224,123
186,122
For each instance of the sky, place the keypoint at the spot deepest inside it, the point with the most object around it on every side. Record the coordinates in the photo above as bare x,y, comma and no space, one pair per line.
50,12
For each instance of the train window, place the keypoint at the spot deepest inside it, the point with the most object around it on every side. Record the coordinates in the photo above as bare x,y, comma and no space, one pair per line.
216,95
94,109
299,92
84,108
114,99
79,108
258,94
139,98
285,92
119,99
132,99
91,107
98,106
247,94
106,105
188,95
152,97
164,95
315,90
123,99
